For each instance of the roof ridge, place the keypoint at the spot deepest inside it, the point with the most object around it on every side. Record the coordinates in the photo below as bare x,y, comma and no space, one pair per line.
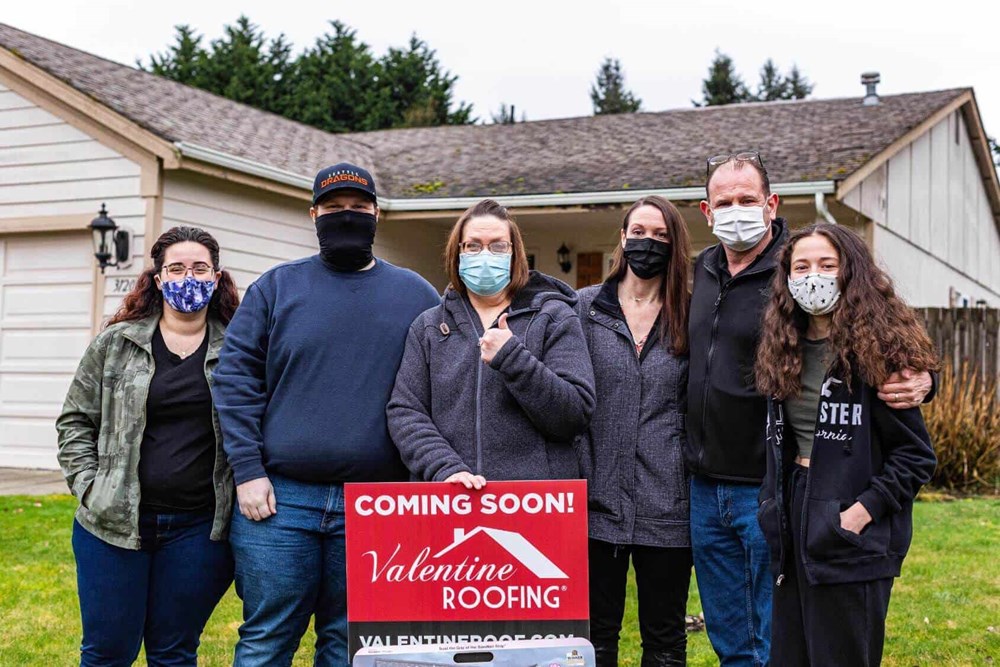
662,112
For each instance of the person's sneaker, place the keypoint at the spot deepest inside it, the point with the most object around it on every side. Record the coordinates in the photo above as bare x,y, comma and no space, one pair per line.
694,623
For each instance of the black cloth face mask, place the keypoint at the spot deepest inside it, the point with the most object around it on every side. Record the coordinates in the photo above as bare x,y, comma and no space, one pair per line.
346,238
647,257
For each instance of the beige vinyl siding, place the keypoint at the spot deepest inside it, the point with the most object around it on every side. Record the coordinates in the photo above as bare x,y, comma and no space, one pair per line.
414,244
934,231
256,230
50,169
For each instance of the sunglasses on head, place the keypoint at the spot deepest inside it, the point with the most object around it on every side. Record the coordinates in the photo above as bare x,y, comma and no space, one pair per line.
717,161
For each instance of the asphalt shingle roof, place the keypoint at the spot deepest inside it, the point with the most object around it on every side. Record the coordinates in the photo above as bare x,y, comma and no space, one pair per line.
808,140
177,112
804,140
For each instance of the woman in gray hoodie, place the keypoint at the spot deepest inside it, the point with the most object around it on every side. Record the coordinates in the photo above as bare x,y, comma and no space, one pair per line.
635,324
496,382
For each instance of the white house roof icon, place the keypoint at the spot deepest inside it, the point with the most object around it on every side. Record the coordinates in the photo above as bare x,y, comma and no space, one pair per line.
516,545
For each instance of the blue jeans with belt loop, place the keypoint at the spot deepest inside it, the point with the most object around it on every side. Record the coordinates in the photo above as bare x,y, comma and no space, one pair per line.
161,594
290,567
732,566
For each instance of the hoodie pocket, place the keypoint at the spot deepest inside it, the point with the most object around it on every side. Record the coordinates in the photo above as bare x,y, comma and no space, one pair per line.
826,539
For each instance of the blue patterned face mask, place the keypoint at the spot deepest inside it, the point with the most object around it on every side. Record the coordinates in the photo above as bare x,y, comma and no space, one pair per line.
189,295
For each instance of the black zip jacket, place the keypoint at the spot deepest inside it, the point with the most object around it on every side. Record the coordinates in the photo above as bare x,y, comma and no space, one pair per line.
726,415
863,451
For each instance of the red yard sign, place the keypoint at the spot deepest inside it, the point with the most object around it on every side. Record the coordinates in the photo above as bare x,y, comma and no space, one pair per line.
434,563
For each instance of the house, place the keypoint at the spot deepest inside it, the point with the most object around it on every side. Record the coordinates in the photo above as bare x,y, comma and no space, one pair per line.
912,173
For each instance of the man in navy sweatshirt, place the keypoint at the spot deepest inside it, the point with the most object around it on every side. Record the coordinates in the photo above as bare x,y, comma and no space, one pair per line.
301,387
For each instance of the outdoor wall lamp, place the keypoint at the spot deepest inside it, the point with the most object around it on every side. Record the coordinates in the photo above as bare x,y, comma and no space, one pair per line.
562,255
109,241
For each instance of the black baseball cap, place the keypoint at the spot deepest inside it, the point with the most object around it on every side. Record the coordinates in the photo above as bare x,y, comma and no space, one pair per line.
340,176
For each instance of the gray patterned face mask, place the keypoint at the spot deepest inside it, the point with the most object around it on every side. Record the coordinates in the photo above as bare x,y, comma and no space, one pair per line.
816,293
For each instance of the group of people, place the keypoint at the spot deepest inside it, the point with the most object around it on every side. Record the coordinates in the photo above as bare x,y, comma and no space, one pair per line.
763,426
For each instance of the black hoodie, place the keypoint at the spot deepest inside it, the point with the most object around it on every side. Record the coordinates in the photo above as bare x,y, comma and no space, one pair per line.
726,415
863,451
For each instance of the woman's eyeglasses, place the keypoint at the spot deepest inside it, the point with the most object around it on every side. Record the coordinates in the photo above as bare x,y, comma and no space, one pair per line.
179,271
495,248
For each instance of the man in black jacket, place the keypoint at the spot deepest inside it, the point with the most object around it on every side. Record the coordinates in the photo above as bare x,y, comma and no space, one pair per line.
726,415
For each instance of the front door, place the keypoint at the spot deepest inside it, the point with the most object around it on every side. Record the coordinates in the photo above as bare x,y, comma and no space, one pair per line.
589,268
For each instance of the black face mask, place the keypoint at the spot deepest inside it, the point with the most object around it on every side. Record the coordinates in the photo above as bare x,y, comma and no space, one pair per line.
647,257
345,239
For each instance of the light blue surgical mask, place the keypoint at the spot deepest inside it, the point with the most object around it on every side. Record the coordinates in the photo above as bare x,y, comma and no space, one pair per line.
484,273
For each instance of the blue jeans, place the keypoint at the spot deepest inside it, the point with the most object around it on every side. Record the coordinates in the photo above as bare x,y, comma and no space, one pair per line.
161,594
289,567
732,565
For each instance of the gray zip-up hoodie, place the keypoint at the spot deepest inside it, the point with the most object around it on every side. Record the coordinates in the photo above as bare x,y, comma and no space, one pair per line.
515,418
633,453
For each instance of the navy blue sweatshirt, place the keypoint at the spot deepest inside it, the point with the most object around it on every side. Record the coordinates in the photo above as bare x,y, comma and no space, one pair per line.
307,367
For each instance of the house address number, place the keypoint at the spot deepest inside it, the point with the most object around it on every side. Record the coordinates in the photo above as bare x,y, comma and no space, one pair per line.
121,286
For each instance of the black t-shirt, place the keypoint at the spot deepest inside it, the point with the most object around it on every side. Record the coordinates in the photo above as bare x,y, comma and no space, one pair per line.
177,458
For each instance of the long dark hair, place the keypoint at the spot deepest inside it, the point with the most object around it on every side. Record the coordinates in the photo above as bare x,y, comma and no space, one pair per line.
873,332
674,286
453,248
145,299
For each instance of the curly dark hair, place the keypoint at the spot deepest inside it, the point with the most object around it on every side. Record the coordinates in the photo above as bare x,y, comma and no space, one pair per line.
873,332
145,299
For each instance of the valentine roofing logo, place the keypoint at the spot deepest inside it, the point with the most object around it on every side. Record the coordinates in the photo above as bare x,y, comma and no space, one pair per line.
472,581
516,545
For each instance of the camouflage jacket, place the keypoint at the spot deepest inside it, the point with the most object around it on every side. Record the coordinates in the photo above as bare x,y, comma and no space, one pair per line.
101,428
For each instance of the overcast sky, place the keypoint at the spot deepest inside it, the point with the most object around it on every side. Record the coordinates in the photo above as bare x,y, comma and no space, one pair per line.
543,56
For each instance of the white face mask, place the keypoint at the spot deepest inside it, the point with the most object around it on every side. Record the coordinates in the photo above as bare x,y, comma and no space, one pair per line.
739,227
816,293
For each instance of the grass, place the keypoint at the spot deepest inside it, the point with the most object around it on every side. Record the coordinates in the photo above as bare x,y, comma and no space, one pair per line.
945,609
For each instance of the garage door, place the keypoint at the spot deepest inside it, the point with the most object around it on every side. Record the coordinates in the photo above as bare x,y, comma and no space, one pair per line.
46,302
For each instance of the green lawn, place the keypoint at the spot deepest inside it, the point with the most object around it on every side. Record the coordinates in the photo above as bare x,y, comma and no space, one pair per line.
945,609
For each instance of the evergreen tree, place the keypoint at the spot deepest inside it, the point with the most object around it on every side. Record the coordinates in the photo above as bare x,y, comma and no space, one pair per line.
772,85
242,66
337,85
506,116
798,86
995,147
723,85
333,84
415,91
182,61
608,94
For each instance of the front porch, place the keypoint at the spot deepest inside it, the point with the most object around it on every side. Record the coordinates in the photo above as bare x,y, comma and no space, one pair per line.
416,239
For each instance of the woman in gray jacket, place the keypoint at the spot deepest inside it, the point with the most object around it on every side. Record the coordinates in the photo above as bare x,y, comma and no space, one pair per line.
495,383
635,324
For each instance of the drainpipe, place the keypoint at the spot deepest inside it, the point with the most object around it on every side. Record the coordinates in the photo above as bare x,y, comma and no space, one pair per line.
822,212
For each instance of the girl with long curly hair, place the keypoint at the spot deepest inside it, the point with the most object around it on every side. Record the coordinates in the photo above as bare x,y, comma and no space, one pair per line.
140,446
843,468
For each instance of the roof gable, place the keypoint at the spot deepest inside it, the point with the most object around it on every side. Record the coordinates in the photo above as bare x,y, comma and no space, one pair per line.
181,113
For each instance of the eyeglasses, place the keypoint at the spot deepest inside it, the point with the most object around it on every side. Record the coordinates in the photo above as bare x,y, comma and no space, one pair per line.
495,248
179,271
717,161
